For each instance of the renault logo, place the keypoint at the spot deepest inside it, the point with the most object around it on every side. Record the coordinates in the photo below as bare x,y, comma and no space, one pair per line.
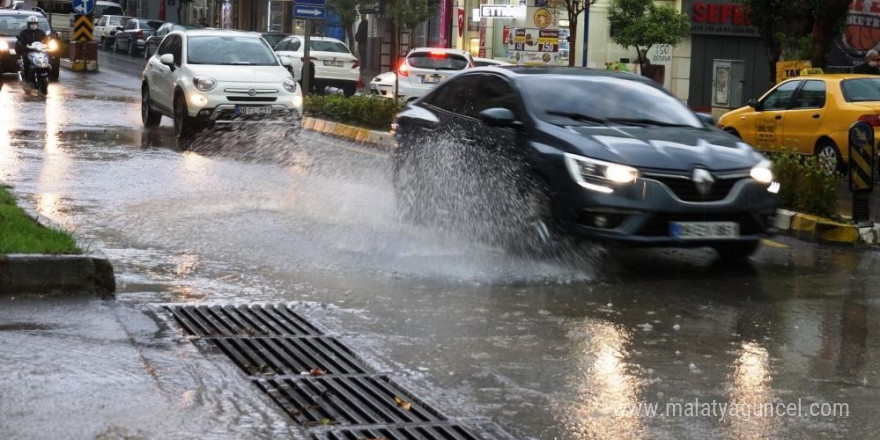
252,92
703,180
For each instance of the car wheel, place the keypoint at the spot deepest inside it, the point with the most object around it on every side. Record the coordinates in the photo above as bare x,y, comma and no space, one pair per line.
737,252
183,124
130,49
349,90
149,117
536,231
829,156
115,46
407,195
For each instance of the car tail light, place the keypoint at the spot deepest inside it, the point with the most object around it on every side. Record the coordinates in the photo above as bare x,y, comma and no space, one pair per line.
873,120
360,83
139,35
355,64
403,70
437,54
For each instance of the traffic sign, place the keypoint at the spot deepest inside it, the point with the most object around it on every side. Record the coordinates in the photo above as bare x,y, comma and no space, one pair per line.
307,11
83,29
312,2
83,7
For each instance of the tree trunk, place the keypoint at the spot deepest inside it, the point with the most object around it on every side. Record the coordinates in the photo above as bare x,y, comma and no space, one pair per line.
572,39
350,35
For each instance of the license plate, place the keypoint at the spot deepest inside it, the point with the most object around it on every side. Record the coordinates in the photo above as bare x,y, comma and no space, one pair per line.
333,63
704,230
431,79
253,110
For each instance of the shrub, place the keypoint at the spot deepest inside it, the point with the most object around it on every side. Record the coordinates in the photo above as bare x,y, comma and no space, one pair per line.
371,112
804,185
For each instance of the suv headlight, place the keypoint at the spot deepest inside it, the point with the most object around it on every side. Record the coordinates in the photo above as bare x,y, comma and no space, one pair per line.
762,172
596,174
289,85
204,83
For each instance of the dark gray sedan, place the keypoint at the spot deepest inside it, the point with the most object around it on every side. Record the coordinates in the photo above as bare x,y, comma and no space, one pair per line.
545,154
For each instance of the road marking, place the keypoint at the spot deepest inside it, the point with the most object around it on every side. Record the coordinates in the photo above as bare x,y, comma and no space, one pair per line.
774,244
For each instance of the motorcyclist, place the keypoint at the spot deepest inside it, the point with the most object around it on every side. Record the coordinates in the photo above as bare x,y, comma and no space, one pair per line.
31,34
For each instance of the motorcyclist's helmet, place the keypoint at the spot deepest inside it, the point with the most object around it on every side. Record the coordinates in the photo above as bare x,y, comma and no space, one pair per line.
33,20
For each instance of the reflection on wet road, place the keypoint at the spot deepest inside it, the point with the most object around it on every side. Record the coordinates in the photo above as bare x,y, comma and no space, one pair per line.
560,349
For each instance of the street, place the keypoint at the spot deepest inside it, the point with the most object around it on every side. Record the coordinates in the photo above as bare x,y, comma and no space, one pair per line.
568,348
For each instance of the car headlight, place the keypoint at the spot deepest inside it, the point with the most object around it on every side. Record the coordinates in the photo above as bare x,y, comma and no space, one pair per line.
204,83
289,85
198,100
4,46
594,174
762,172
297,101
53,46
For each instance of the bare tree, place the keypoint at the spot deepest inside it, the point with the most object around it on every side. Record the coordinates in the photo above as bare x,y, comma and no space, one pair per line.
574,8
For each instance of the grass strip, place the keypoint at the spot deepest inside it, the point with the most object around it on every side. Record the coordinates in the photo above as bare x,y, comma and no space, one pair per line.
21,234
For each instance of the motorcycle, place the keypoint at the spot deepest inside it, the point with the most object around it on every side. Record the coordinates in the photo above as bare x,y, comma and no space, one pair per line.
38,57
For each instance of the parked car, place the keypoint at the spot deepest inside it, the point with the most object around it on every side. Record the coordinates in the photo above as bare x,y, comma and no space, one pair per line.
132,36
152,42
332,61
106,28
810,114
273,38
582,153
421,70
486,62
204,76
12,22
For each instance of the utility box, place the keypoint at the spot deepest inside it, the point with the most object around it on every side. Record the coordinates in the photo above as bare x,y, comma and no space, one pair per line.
728,77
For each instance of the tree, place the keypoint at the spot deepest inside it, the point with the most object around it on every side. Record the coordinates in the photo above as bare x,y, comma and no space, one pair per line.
641,24
790,28
347,10
574,8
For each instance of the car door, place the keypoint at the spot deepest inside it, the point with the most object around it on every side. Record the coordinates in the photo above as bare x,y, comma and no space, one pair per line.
99,28
161,76
768,122
123,37
802,121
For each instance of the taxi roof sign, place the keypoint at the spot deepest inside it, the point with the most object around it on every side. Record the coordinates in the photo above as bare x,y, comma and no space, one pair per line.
812,71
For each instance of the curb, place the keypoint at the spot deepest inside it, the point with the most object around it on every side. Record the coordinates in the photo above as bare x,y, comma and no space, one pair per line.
79,65
55,275
382,139
823,230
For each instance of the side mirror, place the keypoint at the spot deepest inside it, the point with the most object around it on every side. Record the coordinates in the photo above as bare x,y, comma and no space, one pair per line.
167,59
706,119
118,28
753,103
499,117
286,61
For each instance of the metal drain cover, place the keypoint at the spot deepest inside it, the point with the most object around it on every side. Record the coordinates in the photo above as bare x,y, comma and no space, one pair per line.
242,320
425,432
267,357
364,400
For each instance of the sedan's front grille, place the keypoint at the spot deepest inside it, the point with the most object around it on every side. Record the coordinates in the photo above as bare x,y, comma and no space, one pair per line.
686,189
251,99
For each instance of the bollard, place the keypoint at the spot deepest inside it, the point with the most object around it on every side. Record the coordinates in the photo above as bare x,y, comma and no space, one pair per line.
861,174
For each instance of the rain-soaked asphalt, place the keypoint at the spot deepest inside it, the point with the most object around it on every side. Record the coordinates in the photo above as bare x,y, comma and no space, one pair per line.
546,349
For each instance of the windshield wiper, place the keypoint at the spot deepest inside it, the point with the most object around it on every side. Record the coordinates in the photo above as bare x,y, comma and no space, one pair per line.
578,116
645,121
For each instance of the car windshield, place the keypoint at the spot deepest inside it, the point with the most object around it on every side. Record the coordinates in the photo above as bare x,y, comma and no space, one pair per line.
327,46
273,39
116,20
573,100
437,61
102,10
12,25
230,50
861,89
150,24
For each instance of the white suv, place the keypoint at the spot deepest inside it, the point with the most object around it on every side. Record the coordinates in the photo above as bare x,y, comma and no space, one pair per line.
421,70
332,62
199,77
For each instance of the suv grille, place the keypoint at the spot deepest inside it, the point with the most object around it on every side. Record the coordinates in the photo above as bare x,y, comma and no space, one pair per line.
685,189
251,99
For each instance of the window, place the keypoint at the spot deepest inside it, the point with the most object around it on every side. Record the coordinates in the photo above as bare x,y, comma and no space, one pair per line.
437,61
328,46
861,89
811,95
494,91
780,98
230,50
458,95
172,45
295,44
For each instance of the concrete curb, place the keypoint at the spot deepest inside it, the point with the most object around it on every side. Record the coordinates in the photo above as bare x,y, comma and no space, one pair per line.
55,275
381,139
823,230
79,65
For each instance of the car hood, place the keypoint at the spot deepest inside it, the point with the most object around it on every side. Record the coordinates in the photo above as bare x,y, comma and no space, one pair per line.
384,77
243,74
667,148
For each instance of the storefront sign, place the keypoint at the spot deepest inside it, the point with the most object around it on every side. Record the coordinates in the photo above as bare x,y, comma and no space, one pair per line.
505,35
460,22
720,17
502,11
482,52
543,18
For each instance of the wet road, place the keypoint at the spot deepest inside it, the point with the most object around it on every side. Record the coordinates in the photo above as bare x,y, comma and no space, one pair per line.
547,349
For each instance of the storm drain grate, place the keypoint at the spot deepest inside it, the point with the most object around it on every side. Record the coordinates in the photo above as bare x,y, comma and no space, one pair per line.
243,320
363,400
290,356
427,432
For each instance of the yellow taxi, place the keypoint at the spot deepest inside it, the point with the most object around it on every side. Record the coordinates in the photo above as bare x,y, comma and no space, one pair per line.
809,114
